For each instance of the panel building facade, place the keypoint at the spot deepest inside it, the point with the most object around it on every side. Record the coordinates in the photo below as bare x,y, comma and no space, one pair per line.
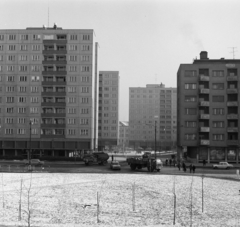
108,110
149,106
47,91
208,109
123,140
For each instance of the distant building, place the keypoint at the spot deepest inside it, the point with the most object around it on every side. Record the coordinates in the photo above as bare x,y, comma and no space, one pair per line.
208,109
108,110
150,105
46,85
123,141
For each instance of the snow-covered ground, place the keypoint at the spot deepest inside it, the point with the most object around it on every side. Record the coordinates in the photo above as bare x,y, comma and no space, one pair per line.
124,200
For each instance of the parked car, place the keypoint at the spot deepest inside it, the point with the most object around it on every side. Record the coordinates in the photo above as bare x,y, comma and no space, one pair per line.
222,165
115,165
34,162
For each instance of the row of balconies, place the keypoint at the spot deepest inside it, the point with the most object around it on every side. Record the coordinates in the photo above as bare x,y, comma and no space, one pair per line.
230,77
229,103
207,91
229,129
229,142
229,116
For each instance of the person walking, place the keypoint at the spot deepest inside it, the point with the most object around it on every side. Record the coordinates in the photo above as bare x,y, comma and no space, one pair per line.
204,162
190,168
193,168
166,162
179,166
170,162
184,167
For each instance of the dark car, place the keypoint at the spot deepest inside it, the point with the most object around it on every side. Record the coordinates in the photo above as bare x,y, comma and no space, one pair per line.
115,165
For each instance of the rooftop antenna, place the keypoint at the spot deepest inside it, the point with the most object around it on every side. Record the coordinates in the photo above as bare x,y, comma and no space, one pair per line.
233,51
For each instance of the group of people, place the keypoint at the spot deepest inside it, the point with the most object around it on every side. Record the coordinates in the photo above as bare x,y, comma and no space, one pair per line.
192,167
170,162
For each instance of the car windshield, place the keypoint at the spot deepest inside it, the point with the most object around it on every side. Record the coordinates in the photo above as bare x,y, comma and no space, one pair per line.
115,163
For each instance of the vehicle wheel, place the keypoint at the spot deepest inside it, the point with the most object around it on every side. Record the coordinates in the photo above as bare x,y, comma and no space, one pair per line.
158,170
214,167
86,163
139,167
227,168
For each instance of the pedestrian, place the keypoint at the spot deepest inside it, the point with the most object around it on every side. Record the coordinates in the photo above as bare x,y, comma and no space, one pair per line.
190,168
170,162
179,166
112,157
184,167
193,168
166,162
174,162
204,162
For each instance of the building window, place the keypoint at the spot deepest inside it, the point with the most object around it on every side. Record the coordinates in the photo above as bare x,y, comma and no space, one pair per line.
34,89
71,131
10,78
34,131
84,100
72,110
9,99
1,48
84,132
11,37
23,78
86,37
35,47
218,111
36,37
190,73
218,124
190,111
11,47
34,110
85,89
71,121
35,57
22,89
218,86
218,98
190,136
84,111
24,37
85,79
71,99
35,78
34,100
73,47
21,131
190,124
22,99
1,37
72,89
85,47
73,37
10,68
36,68
218,137
23,47
190,86
22,68
85,68
84,121
22,57
85,58
21,120
189,98
8,131
73,68
73,57
21,110
218,73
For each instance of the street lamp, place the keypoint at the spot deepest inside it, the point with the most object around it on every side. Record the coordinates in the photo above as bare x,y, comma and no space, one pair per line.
30,138
155,117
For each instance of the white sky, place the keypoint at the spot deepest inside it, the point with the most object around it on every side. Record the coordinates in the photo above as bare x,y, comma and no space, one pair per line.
145,40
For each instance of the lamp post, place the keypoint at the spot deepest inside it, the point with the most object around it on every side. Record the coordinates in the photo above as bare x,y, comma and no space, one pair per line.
155,117
30,138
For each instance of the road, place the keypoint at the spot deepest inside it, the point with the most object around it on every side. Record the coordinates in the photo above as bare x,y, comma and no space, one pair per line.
80,167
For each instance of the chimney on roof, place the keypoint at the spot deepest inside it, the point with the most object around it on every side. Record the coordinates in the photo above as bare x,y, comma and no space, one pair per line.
203,55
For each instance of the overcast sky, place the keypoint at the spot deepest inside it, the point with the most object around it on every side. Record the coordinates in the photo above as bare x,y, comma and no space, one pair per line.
145,40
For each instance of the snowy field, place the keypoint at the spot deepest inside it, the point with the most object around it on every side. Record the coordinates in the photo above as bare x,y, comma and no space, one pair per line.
43,199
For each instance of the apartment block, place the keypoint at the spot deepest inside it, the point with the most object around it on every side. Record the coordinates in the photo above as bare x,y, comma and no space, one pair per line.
108,110
47,91
208,109
123,140
149,107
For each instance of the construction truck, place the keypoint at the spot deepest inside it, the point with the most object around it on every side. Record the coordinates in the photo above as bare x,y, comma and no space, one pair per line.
146,160
96,158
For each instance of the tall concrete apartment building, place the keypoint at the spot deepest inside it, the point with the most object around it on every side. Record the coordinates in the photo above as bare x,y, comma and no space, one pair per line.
123,140
47,91
108,110
150,105
208,109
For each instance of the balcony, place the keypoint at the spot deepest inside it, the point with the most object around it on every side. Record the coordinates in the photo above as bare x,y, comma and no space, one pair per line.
232,91
54,62
204,91
54,72
53,115
54,83
204,129
204,116
232,78
203,78
232,129
54,52
232,142
232,116
53,125
204,103
204,142
232,103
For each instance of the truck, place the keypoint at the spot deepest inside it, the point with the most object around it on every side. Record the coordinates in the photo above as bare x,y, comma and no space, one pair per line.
146,160
96,158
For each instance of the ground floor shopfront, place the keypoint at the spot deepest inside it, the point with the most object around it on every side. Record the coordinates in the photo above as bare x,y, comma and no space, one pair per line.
212,154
